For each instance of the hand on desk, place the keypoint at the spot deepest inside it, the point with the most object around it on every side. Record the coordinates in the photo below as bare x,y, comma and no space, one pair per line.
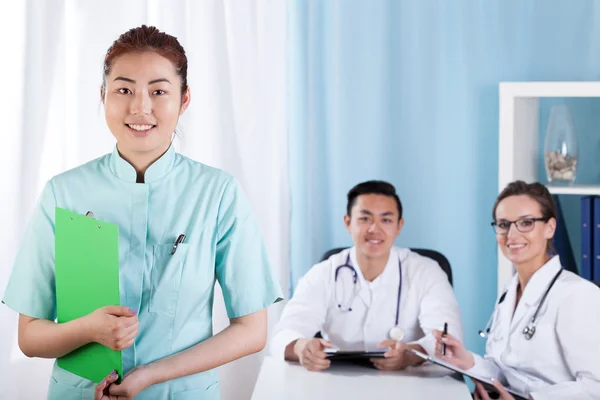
134,382
456,353
311,353
481,394
395,358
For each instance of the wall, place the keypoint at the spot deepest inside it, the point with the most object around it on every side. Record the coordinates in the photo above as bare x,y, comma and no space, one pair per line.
408,92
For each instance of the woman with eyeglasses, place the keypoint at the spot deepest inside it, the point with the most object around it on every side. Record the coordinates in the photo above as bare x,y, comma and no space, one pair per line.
543,339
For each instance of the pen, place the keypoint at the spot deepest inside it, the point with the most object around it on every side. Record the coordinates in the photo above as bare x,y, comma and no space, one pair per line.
180,239
444,334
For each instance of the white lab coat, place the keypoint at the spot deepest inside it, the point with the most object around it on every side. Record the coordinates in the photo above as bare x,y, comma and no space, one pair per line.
427,301
562,359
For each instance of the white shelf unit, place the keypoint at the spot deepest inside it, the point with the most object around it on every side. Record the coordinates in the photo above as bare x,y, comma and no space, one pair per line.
589,190
518,139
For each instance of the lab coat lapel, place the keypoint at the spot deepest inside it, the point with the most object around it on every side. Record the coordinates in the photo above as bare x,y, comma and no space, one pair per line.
535,289
522,310
365,293
387,282
505,311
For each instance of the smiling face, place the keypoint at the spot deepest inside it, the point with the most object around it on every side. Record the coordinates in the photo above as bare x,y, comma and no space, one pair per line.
523,247
374,225
143,102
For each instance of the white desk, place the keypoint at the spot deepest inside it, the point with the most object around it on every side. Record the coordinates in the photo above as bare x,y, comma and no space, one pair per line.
280,379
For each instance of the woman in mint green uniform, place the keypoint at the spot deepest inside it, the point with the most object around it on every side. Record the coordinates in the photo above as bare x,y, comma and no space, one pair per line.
164,323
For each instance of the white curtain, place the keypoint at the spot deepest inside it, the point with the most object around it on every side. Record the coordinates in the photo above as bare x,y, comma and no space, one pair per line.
52,120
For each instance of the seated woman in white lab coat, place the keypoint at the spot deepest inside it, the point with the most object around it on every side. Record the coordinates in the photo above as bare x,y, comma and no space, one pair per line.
561,360
368,307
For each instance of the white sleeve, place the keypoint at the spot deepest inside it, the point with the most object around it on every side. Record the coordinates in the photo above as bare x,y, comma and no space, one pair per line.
438,306
577,327
305,313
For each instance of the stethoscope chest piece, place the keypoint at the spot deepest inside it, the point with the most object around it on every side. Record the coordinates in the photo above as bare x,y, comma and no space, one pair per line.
529,331
396,334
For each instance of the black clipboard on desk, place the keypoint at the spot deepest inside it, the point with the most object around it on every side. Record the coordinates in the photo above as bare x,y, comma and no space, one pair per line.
352,355
487,383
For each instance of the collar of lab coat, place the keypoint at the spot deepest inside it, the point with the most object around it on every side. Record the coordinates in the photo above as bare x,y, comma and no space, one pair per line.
539,282
366,290
388,277
157,170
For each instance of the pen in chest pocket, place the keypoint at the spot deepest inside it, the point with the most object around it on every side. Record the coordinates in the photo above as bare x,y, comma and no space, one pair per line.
179,240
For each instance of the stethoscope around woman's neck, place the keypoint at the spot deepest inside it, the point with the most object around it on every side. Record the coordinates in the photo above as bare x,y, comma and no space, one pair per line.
529,330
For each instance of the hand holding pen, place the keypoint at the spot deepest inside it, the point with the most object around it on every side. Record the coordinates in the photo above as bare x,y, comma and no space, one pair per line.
452,350
444,335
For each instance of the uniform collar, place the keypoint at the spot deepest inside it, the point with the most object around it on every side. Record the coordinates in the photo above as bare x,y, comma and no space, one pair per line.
387,276
156,171
539,282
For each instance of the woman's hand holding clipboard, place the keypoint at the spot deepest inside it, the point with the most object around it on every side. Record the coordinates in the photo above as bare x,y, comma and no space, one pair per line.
459,359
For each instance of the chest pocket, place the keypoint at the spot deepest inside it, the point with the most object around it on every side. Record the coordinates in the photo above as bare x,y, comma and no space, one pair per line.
165,278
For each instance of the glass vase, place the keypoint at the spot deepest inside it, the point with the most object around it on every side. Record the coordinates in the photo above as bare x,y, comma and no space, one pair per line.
560,147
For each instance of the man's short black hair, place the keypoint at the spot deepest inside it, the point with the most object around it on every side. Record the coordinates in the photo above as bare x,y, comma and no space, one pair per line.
373,187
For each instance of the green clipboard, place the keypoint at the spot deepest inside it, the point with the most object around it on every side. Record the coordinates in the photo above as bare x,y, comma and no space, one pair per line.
87,278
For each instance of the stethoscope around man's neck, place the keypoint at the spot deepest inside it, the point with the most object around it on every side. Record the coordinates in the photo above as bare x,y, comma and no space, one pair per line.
395,332
529,330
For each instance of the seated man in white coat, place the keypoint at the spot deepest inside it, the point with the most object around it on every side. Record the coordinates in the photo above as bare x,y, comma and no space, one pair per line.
370,297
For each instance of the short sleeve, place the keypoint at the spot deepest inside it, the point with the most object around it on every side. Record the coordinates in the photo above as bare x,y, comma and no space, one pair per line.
242,265
31,288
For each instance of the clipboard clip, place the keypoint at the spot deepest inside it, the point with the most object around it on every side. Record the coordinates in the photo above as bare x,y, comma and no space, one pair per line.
179,240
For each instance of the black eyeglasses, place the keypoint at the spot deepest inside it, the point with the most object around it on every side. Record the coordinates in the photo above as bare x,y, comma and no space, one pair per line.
523,225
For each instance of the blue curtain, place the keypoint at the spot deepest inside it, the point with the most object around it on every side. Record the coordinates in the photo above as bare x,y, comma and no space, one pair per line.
407,91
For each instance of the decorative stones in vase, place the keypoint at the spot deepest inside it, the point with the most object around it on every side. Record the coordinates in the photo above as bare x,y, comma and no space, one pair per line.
560,148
